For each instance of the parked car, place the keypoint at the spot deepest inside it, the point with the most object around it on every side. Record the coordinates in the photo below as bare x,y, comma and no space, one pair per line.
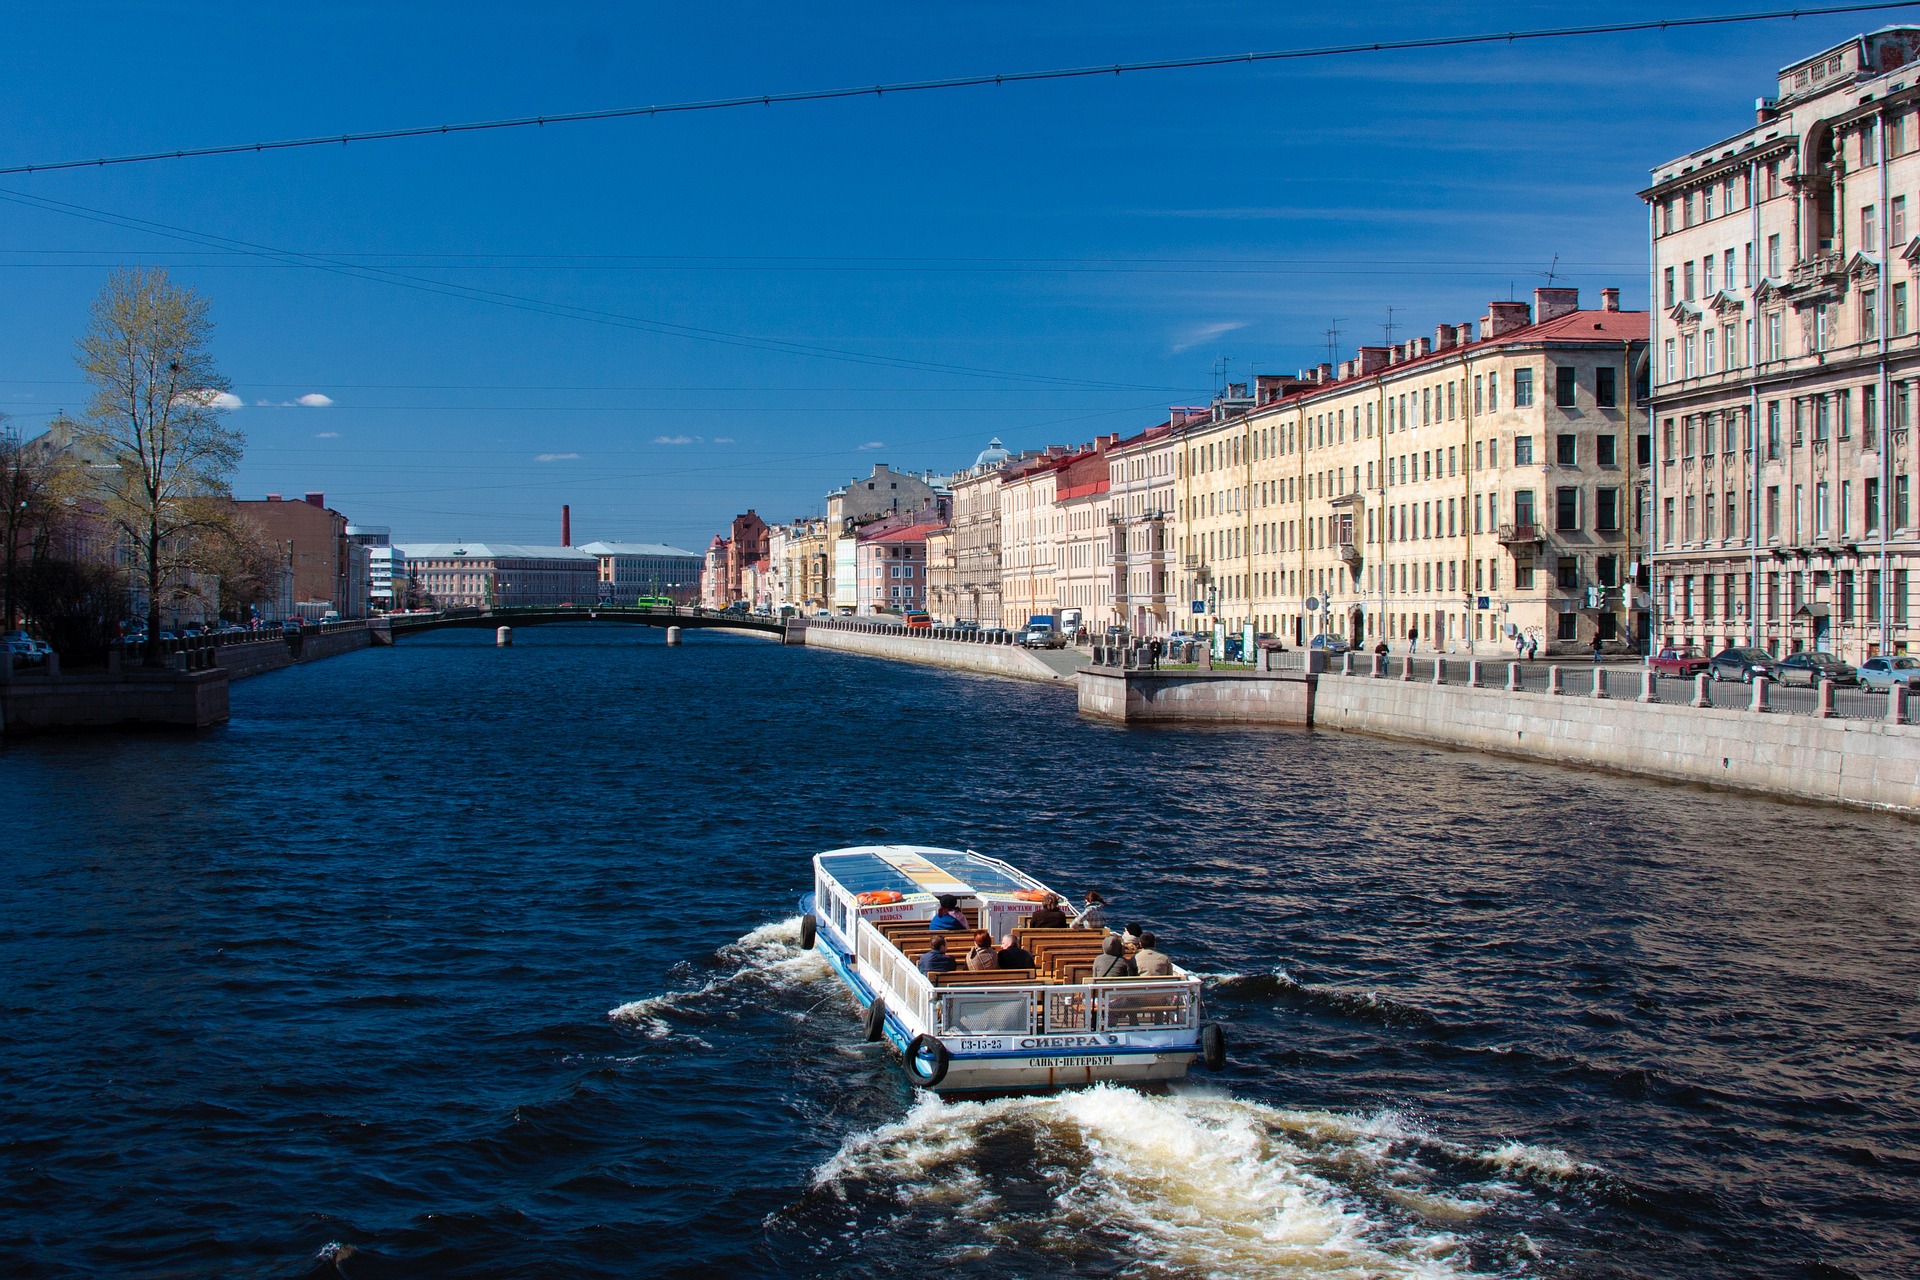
1884,673
1741,664
1813,666
1680,662
919,622
23,649
967,624
1332,644
1042,638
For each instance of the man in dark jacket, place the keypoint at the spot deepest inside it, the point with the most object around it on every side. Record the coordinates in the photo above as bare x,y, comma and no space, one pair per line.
1013,955
936,960
1049,916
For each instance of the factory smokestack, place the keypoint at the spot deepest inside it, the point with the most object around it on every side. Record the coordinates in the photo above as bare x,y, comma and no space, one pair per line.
566,526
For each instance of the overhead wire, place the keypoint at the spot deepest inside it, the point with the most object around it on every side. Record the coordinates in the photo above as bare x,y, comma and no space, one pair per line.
957,82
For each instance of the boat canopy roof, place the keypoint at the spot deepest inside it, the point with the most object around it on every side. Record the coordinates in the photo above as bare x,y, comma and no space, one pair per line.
910,869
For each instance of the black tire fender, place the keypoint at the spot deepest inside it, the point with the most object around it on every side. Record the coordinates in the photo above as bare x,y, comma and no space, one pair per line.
876,1019
809,930
1213,1046
929,1079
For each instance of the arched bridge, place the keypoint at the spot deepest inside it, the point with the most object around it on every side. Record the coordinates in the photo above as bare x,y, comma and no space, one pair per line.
407,624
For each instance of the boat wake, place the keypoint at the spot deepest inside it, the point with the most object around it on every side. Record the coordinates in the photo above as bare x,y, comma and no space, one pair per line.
765,959
1194,1183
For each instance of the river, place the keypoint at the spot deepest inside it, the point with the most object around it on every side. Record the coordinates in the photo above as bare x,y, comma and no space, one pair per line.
449,960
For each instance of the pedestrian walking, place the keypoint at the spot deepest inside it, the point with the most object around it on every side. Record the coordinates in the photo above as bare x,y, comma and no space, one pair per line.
1596,651
1413,639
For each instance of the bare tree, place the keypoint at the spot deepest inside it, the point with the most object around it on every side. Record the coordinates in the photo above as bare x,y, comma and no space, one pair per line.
31,492
155,423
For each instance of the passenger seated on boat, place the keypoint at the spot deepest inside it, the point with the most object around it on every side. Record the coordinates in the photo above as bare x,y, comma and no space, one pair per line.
1049,916
1094,914
1149,962
936,960
1131,938
983,956
948,917
1112,961
1013,955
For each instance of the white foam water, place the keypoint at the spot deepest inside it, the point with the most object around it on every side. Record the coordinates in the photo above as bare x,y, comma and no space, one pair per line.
1198,1183
768,956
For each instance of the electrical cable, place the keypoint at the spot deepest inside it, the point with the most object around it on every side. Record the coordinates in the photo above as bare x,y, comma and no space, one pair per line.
959,82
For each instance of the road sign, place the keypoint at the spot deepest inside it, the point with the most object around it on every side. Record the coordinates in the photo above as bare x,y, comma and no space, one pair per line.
1482,602
1199,606
1313,604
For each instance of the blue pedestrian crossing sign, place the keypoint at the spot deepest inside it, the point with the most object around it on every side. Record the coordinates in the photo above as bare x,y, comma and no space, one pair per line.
1199,606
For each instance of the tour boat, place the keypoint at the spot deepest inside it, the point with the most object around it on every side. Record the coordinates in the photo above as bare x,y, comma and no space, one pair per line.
959,1031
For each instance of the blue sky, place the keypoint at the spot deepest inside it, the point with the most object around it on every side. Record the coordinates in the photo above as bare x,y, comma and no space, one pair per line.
1074,256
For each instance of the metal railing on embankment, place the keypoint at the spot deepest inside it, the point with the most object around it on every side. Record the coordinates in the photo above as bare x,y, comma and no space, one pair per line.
877,627
200,652
1634,683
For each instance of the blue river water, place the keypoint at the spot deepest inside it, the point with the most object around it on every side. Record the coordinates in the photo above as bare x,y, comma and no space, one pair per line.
449,960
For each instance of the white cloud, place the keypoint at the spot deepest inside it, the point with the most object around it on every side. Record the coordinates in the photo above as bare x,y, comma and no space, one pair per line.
871,444
264,404
555,457
225,401
723,439
673,439
1206,333
326,435
314,400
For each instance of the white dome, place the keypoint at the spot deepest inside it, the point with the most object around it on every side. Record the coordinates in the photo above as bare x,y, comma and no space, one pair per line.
993,455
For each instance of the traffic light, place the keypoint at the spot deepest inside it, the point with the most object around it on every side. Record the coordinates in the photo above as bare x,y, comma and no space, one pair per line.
1593,597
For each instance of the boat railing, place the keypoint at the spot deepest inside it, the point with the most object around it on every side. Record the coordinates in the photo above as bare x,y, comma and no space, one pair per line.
886,966
1085,1008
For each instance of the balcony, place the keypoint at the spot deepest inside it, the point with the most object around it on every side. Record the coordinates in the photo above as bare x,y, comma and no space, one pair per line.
1349,552
1521,535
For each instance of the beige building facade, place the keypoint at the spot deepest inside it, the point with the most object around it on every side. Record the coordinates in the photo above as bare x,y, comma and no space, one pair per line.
1142,531
1787,350
1462,493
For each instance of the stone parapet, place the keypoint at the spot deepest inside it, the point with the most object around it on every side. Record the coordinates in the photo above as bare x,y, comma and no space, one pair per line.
108,700
1009,661
1198,697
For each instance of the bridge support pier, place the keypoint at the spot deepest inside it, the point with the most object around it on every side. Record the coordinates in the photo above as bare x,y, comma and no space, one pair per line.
503,636
673,635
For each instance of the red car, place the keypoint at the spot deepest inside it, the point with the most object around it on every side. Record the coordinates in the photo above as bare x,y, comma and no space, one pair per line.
1682,663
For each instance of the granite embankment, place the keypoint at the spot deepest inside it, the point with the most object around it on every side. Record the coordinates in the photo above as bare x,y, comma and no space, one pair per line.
242,660
1006,660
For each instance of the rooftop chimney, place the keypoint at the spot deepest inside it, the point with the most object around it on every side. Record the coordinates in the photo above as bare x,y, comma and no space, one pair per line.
1551,304
566,525
1503,318
1463,333
1421,347
317,500
273,497
1326,371
1609,299
1373,359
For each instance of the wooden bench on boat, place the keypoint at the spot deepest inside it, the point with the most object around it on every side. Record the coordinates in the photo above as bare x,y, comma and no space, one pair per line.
985,978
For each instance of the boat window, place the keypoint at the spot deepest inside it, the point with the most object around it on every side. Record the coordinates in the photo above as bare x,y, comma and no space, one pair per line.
1067,1010
989,1014
971,869
864,873
1166,1007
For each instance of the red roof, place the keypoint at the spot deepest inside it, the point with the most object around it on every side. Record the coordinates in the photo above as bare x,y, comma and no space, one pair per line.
912,533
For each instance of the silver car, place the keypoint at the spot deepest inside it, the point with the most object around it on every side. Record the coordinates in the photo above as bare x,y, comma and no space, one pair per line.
1884,673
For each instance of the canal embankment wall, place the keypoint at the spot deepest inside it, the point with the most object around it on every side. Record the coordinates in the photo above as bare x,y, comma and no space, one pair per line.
1198,697
133,698
276,654
1862,763
1009,661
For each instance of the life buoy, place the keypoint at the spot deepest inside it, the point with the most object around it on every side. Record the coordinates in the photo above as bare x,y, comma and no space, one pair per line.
879,898
1213,1046
809,928
928,1075
876,1019
1032,895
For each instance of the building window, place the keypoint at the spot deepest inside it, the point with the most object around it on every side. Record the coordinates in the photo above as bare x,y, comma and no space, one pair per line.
1668,365
1773,512
1687,528
1606,510
1869,313
1773,430
1900,495
1566,510
1869,225
1605,447
1564,382
1899,310
1522,388
1686,280
1523,451
1846,508
1896,221
1606,391
1870,497
1567,449
1869,417
1773,257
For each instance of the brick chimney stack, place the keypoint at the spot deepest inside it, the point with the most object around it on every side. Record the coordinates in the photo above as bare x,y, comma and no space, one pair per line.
1503,318
1551,304
1609,299
566,525
317,500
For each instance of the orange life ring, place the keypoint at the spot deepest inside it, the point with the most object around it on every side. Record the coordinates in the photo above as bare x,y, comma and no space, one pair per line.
1032,895
879,898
